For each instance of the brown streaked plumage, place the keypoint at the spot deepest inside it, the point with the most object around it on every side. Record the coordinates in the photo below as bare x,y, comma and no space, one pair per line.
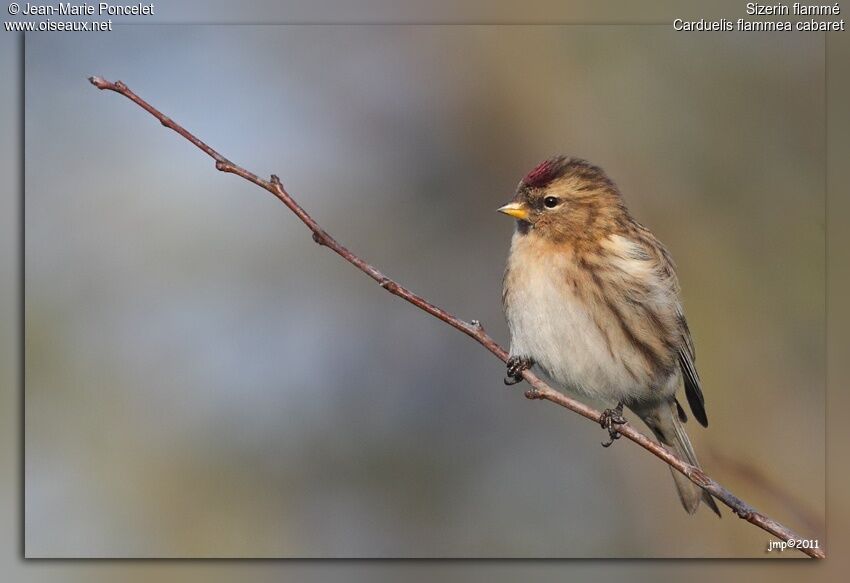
592,298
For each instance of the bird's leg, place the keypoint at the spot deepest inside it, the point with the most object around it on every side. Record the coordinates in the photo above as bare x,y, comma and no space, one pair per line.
610,418
517,364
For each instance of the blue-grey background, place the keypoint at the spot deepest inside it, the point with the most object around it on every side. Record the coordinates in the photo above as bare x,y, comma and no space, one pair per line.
203,380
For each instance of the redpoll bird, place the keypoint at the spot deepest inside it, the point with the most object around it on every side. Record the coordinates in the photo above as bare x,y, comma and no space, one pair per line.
592,298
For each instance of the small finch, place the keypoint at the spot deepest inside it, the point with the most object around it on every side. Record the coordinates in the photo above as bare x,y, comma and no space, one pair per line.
592,298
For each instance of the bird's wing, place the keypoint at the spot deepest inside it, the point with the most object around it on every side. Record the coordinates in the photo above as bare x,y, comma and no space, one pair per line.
687,353
663,293
693,387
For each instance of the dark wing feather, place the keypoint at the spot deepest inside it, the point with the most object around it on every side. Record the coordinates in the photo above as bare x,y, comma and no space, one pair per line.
693,388
667,270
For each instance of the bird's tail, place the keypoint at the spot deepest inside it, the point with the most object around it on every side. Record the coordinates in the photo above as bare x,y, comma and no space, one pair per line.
664,422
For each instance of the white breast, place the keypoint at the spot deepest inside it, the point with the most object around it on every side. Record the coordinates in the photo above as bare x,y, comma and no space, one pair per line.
550,323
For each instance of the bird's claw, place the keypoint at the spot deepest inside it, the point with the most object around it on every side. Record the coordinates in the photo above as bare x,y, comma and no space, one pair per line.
609,419
516,366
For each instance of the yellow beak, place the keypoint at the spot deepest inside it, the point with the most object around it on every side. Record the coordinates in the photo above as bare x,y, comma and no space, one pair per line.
516,210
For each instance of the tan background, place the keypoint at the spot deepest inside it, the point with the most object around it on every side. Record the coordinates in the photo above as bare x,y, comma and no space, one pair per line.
590,435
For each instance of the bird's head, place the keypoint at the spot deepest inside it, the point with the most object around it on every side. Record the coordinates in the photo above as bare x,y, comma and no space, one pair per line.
565,199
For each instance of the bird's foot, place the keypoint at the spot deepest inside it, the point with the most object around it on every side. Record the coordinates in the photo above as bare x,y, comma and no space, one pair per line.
609,419
516,365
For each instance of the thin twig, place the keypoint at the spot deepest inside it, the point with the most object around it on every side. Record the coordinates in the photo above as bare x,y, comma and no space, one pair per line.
473,329
750,472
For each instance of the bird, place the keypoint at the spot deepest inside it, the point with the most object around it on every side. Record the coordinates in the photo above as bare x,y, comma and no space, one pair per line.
592,299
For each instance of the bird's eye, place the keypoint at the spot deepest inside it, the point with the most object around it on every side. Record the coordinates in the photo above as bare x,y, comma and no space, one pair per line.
550,202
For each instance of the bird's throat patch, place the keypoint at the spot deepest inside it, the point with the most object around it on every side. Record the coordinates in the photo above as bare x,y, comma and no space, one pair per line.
523,227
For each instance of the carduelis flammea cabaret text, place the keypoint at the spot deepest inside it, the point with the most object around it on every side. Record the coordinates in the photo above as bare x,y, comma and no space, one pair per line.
761,18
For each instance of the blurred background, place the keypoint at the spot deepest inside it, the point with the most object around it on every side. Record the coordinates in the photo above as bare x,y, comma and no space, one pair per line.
202,380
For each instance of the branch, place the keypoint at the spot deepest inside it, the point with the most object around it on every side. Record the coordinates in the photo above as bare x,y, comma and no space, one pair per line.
473,329
750,472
